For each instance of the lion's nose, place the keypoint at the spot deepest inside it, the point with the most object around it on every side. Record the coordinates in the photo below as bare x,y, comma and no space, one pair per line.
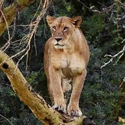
58,39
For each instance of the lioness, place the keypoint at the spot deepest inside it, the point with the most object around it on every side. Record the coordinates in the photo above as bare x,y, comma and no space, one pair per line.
66,57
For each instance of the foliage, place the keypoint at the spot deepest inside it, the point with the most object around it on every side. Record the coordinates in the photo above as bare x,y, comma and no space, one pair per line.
104,31
102,91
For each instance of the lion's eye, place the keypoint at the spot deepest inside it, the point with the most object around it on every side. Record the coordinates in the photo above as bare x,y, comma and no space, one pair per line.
65,29
54,28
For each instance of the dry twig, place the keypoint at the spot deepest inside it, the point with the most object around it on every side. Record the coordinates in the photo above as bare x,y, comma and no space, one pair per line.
32,31
119,55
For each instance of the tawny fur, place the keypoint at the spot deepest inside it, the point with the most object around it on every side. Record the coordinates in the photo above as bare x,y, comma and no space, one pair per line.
66,57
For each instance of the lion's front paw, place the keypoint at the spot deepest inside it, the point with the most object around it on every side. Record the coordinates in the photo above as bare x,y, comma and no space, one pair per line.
74,111
60,108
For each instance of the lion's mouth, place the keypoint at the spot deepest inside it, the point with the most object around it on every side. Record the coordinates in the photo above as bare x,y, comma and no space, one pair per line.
57,44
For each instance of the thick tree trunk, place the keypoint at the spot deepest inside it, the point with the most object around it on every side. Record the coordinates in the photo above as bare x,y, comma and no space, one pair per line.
8,14
34,101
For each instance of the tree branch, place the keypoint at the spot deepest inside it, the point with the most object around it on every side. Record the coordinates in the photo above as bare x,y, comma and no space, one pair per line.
1,4
35,102
8,14
119,55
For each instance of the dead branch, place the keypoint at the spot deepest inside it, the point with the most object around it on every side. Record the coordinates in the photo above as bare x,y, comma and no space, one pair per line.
1,4
33,26
32,30
119,55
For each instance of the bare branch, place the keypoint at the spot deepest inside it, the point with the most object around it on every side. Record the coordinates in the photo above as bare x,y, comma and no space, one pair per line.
32,31
7,26
1,4
6,119
33,26
119,55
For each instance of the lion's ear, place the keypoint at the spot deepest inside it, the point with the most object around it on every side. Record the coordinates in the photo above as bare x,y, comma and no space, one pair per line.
49,19
76,21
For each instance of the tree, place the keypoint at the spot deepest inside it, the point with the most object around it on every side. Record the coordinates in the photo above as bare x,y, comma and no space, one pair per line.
19,84
24,39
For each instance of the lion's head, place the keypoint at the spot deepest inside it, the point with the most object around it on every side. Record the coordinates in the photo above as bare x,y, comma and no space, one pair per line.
62,29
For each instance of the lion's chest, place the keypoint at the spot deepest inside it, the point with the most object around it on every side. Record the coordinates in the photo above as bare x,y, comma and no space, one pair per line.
70,65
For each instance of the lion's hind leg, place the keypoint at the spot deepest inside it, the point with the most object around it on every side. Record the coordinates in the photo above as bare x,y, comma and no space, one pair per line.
66,86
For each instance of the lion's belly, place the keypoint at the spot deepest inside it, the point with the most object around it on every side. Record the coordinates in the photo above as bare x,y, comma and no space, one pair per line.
68,72
72,71
69,65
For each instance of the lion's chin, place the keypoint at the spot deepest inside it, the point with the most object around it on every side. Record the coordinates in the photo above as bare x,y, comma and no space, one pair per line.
59,46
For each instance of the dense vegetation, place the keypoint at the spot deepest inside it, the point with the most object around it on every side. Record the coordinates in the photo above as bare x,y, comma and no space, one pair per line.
104,27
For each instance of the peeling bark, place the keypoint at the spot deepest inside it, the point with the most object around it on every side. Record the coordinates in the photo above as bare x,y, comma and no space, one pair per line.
35,102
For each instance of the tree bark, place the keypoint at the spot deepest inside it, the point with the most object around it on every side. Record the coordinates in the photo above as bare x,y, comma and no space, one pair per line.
8,14
35,102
